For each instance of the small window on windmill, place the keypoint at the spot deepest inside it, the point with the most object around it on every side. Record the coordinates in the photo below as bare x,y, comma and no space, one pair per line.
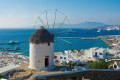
48,43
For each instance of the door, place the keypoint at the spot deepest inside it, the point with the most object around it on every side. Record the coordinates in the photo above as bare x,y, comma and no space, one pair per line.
46,62
95,54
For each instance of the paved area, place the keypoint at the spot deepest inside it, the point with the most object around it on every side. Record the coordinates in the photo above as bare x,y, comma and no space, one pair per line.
8,68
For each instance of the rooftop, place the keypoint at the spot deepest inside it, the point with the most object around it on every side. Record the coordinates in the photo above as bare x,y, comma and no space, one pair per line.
41,36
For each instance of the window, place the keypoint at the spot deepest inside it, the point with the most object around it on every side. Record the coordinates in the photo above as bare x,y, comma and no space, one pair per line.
100,53
64,57
61,57
95,54
48,43
115,66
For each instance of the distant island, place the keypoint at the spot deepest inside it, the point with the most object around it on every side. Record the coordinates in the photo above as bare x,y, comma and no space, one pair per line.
85,25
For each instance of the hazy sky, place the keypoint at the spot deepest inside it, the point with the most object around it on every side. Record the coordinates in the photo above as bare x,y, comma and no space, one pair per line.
21,13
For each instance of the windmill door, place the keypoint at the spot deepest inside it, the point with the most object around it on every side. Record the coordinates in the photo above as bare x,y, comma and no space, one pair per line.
46,61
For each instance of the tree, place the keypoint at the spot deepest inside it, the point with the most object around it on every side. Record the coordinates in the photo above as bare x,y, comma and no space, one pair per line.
72,50
99,64
78,51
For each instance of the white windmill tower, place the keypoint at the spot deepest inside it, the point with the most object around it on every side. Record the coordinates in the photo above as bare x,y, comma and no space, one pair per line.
41,46
41,49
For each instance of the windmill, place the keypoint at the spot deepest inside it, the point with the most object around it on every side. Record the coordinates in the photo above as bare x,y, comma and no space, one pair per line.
42,42
53,27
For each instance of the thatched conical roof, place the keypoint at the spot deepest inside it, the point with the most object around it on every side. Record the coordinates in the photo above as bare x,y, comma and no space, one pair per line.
41,36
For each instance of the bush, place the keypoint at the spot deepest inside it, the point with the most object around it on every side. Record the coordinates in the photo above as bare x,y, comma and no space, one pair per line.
78,51
73,50
1,76
64,63
72,63
99,64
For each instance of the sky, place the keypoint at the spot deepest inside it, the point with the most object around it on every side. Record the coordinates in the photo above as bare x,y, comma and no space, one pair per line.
23,13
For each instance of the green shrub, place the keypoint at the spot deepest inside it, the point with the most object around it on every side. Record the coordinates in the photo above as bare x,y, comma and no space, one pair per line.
78,51
99,64
72,50
1,76
72,63
64,63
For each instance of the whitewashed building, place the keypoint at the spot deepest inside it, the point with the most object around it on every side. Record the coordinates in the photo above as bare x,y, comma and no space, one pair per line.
41,49
99,53
68,56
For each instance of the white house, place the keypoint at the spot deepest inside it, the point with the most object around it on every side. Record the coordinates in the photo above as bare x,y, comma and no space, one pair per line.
68,56
41,49
99,53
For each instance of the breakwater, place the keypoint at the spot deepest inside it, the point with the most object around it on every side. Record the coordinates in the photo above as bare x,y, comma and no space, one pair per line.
98,38
78,37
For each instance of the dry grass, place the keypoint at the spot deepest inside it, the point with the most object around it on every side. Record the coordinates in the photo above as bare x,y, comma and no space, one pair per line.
36,73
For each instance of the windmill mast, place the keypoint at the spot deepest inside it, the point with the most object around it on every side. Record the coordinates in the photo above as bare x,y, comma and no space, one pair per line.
42,22
47,20
54,20
61,24
54,32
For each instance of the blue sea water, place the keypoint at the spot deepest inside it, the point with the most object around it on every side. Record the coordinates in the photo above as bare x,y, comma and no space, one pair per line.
23,35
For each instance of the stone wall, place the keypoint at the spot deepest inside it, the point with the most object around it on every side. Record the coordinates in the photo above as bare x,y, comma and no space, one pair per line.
78,75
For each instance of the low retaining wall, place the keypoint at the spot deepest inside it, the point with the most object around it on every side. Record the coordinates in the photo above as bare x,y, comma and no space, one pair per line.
92,74
7,69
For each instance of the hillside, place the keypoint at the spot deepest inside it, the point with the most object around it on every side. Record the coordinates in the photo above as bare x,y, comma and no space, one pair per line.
88,25
80,25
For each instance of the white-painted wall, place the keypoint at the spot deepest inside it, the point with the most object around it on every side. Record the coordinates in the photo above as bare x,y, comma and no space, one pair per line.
38,53
89,53
101,53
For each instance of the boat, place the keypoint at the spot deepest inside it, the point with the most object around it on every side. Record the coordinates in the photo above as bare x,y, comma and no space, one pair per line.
99,30
16,48
71,31
13,42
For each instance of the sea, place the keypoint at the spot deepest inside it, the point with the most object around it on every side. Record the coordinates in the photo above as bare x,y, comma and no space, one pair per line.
61,44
